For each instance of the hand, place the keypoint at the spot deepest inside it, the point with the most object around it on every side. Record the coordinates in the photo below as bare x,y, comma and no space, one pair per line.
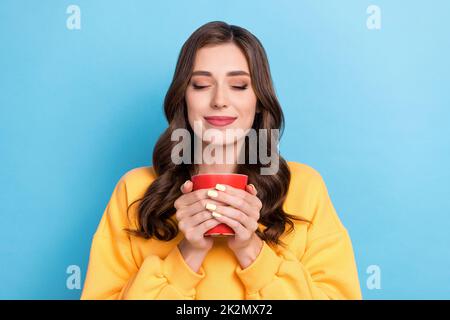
241,214
193,219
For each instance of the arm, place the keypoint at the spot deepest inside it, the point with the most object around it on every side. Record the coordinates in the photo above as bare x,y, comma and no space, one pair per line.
326,270
113,273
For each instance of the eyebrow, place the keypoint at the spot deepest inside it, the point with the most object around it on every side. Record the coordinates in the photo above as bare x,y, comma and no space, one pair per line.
229,74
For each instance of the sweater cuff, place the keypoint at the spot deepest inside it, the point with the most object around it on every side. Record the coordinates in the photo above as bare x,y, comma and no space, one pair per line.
179,274
261,271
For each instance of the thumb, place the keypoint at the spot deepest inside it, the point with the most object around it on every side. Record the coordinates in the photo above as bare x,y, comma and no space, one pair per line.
251,188
186,187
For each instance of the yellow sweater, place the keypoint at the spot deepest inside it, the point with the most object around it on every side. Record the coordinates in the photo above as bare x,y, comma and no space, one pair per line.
317,264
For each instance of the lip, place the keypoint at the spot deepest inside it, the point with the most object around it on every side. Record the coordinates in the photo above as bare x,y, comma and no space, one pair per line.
220,121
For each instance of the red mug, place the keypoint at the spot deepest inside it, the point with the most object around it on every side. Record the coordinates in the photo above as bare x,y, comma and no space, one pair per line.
208,181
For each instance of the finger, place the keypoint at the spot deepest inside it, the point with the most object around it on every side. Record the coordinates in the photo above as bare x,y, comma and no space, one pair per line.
249,197
197,219
206,225
186,186
238,228
190,198
197,207
234,201
249,223
251,189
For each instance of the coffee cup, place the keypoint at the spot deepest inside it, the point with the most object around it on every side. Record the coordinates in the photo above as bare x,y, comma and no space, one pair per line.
208,181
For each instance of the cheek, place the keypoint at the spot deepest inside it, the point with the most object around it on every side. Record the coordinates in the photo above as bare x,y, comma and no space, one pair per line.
246,109
196,102
195,105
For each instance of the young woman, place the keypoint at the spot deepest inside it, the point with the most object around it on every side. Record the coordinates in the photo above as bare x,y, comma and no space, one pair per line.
289,242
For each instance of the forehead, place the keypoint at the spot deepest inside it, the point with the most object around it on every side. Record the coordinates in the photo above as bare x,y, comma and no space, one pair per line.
220,58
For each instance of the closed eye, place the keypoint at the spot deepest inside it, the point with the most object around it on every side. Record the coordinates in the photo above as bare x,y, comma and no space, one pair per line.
199,87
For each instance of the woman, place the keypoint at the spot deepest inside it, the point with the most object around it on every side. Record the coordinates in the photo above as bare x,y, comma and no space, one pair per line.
157,250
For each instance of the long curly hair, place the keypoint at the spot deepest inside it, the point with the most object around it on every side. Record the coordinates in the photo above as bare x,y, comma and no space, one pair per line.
157,205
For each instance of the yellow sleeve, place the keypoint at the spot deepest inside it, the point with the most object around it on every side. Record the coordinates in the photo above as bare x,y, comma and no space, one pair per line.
326,270
113,273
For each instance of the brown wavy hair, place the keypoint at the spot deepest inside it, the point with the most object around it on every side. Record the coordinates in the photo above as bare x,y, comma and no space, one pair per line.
157,205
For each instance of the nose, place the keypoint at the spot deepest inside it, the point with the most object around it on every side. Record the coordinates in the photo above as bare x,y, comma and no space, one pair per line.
219,99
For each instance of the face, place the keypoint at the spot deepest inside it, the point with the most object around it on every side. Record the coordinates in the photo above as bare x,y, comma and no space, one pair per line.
220,95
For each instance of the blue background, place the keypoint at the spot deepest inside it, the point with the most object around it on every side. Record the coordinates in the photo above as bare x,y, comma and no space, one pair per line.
368,109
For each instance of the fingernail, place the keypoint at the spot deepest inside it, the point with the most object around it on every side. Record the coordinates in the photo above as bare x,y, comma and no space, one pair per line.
216,215
251,184
220,187
212,193
211,206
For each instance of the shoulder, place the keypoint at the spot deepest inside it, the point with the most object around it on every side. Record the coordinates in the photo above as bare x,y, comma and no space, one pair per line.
305,175
308,194
131,186
306,188
139,176
134,182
